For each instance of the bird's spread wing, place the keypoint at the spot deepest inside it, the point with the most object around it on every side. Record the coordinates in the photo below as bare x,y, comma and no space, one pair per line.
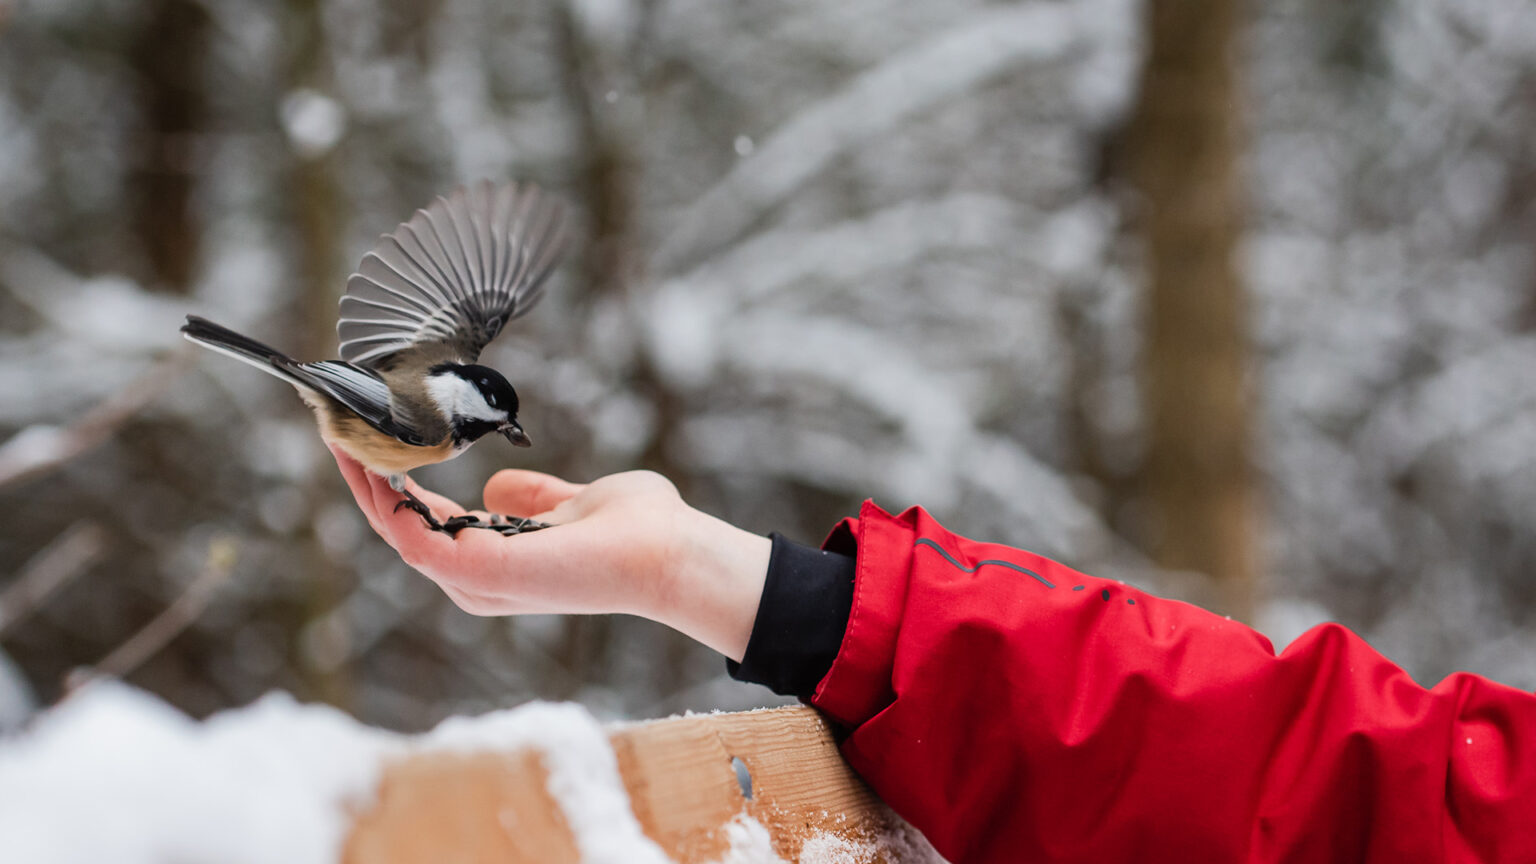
456,273
360,389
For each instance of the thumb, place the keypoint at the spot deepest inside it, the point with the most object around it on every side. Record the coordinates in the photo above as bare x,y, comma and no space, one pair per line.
516,492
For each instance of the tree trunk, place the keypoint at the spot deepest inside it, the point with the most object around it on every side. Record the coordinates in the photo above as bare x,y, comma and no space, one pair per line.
317,219
1197,482
168,56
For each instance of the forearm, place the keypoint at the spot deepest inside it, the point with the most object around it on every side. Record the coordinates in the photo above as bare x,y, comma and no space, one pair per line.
711,581
775,608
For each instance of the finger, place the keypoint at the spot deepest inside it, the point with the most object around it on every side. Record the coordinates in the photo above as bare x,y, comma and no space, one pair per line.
518,492
433,554
386,499
405,529
470,603
561,514
440,504
475,598
491,574
352,471
356,477
480,604
523,572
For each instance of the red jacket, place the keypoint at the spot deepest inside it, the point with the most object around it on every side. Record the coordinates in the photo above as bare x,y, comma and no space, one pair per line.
1015,710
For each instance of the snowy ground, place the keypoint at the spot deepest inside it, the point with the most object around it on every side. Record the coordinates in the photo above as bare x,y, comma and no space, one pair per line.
115,774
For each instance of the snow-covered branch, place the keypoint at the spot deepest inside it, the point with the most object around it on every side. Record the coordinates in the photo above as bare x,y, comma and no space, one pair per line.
849,252
976,50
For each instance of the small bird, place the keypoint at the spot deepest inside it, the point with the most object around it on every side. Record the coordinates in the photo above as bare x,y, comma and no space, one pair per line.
423,303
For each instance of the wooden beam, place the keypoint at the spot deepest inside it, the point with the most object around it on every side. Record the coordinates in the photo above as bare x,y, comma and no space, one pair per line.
682,785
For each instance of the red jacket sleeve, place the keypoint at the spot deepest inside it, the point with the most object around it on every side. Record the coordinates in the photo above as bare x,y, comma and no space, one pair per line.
1016,710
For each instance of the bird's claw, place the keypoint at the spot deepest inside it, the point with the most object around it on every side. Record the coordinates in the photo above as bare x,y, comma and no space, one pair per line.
419,507
506,526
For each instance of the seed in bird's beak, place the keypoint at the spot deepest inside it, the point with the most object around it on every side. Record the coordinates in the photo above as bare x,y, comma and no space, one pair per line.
516,435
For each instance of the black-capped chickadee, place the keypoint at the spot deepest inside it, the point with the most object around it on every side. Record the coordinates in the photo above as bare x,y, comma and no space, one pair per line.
422,305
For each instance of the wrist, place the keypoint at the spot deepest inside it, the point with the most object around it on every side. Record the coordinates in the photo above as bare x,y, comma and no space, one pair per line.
712,581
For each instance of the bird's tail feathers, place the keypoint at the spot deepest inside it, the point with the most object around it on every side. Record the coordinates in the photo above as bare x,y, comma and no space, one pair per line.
241,347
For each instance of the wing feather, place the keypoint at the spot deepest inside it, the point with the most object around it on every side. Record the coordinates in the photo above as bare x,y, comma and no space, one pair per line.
455,273
462,231
428,256
435,229
361,390
485,248
383,275
502,202
395,269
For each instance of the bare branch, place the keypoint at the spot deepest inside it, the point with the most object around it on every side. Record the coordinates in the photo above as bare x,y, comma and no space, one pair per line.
39,449
56,565
109,314
169,623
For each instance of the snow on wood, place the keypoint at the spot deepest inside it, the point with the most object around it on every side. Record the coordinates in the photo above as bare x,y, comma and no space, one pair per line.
114,774
798,801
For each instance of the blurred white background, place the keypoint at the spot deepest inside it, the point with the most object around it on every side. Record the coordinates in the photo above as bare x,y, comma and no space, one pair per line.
1257,332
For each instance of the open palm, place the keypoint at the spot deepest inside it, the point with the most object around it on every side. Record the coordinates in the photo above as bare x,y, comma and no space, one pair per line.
623,543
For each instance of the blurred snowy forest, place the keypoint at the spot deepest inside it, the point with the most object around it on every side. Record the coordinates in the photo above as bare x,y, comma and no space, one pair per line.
903,249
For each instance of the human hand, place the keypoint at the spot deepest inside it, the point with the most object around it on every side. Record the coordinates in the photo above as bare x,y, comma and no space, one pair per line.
623,543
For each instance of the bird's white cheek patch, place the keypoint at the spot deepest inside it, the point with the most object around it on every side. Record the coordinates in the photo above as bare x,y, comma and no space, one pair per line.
459,398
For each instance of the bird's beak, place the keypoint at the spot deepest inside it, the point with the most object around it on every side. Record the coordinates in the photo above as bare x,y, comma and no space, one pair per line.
516,435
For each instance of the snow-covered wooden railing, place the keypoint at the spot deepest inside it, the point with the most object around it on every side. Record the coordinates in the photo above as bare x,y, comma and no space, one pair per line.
114,774
750,786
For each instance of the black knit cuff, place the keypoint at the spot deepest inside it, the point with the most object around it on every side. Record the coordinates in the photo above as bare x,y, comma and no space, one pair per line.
800,620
